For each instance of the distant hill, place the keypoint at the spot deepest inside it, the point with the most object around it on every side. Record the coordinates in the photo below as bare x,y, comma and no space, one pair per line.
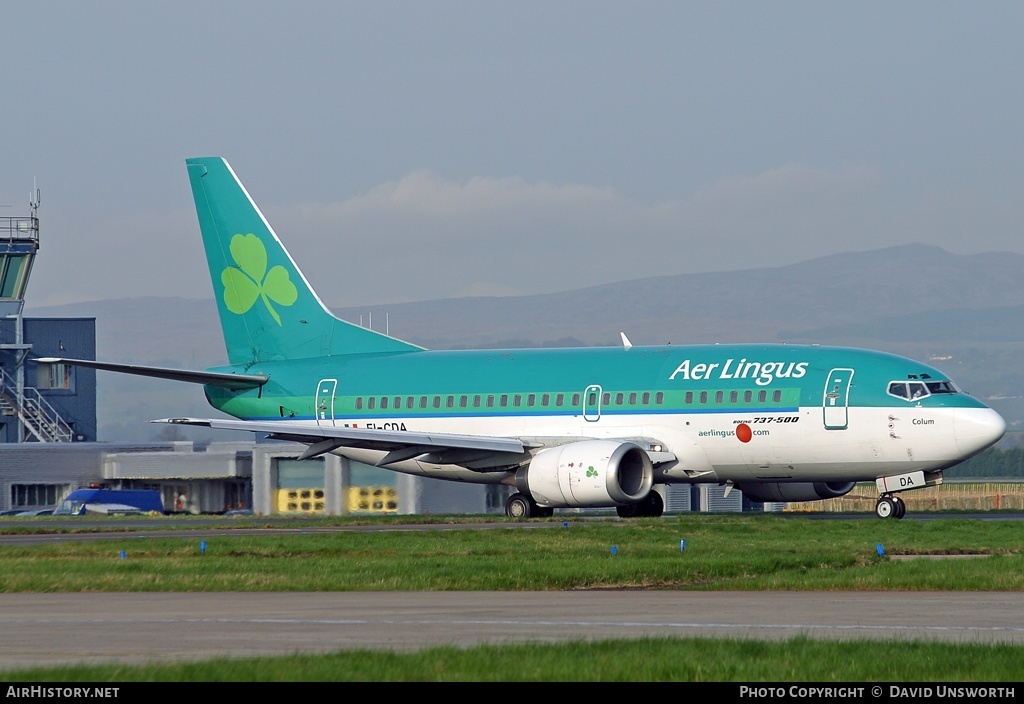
758,304
999,324
964,313
182,331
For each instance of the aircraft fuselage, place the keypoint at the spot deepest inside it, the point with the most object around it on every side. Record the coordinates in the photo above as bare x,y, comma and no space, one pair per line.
734,413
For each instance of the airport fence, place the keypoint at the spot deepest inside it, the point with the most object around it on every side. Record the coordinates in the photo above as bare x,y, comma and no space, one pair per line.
949,496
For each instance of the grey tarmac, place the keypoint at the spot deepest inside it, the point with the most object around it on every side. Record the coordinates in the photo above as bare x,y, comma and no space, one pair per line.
49,629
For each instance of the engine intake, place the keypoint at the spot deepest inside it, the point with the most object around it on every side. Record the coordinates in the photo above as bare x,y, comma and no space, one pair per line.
589,473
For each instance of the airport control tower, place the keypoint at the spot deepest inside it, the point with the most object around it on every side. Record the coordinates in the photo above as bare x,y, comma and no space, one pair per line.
26,414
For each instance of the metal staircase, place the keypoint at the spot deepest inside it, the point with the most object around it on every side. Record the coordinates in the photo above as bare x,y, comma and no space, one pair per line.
41,421
38,421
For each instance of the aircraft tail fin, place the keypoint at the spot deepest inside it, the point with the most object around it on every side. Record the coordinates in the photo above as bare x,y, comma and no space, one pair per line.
268,311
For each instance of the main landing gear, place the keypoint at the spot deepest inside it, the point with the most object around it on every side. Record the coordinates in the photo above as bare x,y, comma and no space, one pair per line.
651,507
890,506
523,506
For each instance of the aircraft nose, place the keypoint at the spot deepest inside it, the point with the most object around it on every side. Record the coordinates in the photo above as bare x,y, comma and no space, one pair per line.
977,428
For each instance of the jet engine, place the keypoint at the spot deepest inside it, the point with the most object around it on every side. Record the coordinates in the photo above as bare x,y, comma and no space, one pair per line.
795,491
589,473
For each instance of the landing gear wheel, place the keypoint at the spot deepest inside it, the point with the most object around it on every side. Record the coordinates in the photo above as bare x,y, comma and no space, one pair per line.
885,508
651,507
543,511
654,505
519,506
628,510
901,508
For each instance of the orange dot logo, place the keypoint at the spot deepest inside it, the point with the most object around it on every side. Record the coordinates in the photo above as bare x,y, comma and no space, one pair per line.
743,432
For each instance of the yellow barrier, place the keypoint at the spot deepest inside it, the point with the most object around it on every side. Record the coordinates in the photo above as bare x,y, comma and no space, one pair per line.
301,501
373,499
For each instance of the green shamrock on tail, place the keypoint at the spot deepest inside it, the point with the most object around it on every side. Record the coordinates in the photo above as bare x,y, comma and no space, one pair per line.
249,279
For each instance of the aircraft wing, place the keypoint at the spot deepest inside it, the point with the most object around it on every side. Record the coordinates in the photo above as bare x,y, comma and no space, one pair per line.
473,451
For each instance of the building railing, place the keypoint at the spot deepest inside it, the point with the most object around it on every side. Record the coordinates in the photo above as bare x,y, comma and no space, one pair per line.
19,228
36,414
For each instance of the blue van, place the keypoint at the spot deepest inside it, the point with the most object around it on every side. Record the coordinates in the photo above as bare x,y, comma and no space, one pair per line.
110,501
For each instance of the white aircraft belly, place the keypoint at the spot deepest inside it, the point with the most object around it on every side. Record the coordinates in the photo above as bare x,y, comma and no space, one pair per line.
876,442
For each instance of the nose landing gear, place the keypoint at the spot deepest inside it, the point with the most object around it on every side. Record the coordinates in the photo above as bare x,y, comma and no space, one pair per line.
890,506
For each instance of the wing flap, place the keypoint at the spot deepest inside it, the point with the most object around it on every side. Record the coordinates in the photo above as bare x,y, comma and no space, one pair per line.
399,444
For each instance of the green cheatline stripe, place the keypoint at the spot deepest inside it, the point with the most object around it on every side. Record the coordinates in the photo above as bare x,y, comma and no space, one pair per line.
247,405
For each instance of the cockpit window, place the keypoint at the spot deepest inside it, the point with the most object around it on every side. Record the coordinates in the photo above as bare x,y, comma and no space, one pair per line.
899,388
942,387
908,390
913,390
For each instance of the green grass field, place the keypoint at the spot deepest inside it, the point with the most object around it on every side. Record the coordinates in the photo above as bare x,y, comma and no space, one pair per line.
640,660
730,552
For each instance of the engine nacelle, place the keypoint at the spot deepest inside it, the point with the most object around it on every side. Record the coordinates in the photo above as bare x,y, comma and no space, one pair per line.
795,491
589,473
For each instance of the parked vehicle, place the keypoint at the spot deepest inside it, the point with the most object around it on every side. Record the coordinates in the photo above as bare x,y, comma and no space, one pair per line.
35,512
239,512
110,502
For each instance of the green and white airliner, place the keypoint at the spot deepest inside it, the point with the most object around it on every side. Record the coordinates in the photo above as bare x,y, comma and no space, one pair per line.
587,427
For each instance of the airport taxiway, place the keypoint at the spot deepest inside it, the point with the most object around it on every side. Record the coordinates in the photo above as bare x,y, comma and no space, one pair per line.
50,629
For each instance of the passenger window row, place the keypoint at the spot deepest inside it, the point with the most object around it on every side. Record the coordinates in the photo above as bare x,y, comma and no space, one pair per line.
559,400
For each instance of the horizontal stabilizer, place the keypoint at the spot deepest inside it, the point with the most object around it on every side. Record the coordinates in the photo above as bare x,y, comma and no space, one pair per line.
225,379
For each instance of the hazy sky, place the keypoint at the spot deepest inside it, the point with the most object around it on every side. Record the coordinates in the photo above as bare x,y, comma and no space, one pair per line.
417,150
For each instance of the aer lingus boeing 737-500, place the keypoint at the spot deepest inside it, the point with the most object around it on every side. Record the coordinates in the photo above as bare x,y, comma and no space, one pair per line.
588,427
